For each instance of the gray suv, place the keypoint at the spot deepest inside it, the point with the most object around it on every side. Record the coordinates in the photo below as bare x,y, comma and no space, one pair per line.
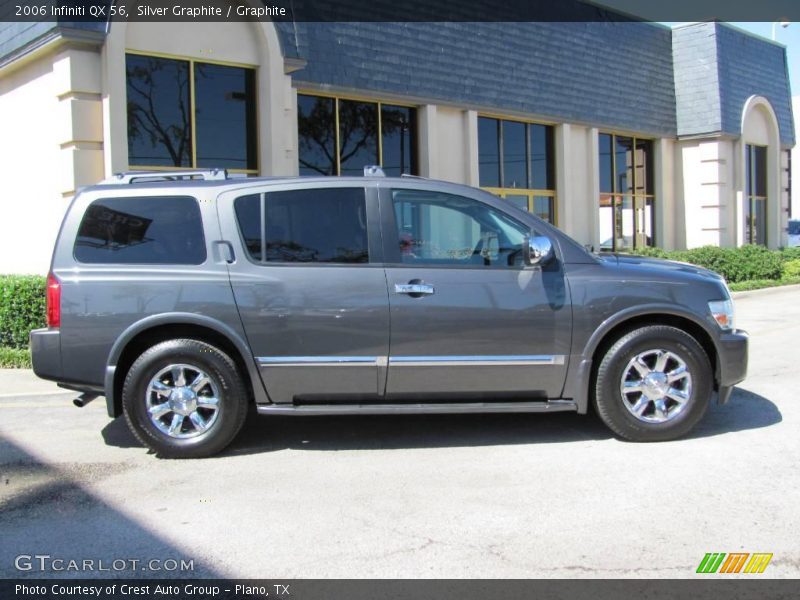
188,298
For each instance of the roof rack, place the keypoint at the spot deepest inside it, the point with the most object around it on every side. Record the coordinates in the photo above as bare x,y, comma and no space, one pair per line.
130,177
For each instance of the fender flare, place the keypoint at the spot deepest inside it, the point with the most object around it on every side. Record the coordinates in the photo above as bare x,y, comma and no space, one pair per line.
583,371
179,318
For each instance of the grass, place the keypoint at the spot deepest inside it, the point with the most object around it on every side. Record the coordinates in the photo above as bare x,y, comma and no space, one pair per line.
759,284
13,358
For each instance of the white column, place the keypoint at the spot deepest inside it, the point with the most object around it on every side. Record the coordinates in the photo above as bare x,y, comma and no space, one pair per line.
471,166
428,141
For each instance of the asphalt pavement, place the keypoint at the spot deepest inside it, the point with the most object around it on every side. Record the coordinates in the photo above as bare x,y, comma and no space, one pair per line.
489,496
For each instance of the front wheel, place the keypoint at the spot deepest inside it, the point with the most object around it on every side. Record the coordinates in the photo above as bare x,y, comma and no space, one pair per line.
653,384
184,399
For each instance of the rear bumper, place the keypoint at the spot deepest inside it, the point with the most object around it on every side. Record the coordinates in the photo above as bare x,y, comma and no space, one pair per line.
46,354
732,362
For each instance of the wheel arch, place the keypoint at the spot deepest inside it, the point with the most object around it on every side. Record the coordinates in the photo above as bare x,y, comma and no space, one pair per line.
615,327
153,330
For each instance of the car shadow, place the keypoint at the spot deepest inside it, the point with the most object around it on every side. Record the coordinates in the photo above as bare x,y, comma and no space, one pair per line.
51,508
745,410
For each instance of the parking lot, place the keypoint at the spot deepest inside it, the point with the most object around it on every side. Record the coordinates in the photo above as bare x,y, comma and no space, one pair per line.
502,496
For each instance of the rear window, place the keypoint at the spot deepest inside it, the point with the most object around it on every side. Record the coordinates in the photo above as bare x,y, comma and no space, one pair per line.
151,230
794,227
327,225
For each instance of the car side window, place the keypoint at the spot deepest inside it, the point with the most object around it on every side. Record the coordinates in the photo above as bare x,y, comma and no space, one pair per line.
444,229
317,225
141,230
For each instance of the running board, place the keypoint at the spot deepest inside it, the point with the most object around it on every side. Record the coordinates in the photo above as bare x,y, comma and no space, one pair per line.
411,409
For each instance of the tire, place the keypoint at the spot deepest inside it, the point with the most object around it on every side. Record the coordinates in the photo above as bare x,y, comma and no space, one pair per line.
168,399
653,384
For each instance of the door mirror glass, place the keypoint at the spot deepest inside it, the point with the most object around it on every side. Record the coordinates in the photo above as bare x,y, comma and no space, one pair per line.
538,250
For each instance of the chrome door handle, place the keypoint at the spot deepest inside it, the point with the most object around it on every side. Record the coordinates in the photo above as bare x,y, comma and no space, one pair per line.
414,289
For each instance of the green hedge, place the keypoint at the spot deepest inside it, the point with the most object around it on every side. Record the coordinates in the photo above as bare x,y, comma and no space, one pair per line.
745,263
22,308
14,358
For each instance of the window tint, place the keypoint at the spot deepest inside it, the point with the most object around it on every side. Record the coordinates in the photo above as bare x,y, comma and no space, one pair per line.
248,215
315,225
443,229
153,230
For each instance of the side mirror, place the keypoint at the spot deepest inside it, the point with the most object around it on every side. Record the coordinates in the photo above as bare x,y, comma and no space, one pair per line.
538,251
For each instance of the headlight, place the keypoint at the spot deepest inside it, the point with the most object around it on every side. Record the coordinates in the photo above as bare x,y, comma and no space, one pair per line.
722,311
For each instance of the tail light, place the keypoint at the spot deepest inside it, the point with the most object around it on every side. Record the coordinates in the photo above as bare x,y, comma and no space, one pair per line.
53,301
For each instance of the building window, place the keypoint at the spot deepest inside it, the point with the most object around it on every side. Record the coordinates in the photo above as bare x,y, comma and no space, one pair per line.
755,208
190,114
516,162
337,136
627,200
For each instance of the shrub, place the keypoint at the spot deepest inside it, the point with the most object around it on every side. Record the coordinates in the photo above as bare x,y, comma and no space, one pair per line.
791,268
753,262
651,252
734,264
22,308
792,253
15,358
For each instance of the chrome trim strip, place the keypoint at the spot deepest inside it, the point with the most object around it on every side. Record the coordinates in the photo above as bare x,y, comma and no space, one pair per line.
477,360
317,361
512,360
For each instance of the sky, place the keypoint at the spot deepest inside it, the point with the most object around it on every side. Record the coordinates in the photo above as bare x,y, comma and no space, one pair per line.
788,36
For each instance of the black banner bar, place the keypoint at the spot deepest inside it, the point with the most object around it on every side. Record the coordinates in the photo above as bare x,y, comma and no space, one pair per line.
753,586
102,11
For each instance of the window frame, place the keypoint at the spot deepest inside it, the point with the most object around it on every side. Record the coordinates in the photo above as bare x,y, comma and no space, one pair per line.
391,232
193,108
530,193
637,198
374,242
414,167
155,265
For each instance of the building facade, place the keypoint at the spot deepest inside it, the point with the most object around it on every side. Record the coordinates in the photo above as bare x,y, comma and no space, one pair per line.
624,134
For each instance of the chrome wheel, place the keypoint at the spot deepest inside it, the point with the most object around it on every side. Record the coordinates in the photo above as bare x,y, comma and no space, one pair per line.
656,386
182,401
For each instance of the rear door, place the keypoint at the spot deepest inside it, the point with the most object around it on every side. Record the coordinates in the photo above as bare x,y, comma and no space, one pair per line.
310,287
468,318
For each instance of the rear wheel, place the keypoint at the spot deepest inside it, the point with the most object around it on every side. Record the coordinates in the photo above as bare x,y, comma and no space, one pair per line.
653,384
184,399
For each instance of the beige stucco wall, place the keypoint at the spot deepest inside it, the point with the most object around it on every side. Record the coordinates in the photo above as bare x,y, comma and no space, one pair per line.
50,108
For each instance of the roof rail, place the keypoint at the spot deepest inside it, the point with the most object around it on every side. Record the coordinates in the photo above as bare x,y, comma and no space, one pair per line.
148,176
373,171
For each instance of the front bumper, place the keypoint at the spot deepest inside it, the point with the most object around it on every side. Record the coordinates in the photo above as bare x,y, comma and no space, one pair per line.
732,362
46,353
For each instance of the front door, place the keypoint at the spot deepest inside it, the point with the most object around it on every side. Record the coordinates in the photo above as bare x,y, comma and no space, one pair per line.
468,318
310,289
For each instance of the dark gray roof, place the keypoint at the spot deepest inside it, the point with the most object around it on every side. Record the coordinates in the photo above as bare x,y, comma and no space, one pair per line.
717,68
611,74
18,37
